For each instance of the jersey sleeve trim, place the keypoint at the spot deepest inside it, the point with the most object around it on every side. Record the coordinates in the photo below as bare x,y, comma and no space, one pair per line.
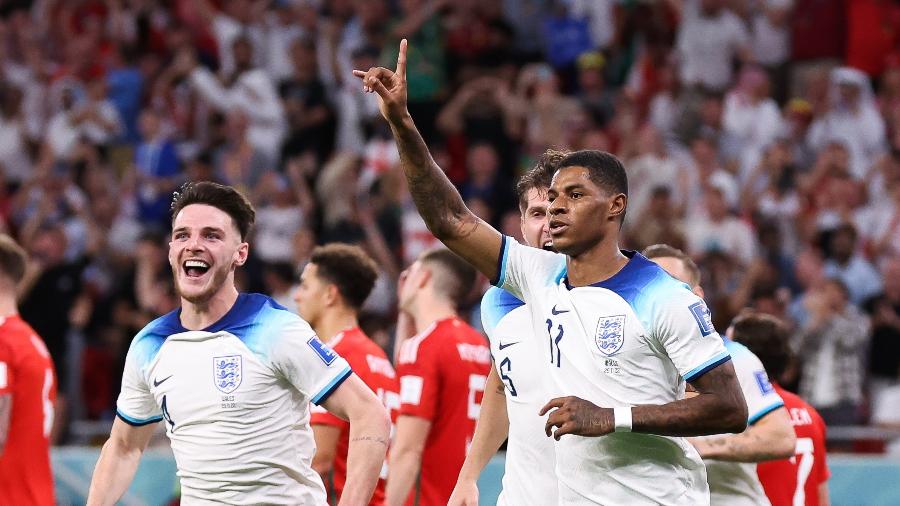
501,263
137,422
765,411
707,366
323,394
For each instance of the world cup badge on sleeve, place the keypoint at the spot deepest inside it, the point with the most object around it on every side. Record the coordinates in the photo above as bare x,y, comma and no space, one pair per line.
227,373
610,334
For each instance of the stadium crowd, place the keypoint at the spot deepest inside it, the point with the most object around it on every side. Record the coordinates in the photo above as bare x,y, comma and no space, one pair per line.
769,152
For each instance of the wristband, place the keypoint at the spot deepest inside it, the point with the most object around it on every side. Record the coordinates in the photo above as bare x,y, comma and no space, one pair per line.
622,418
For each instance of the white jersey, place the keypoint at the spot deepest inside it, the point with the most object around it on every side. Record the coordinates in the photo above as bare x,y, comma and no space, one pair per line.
235,397
521,364
629,340
736,483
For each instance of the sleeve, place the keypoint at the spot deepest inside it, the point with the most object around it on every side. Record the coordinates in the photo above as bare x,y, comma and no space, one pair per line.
136,405
761,397
320,416
419,381
307,363
6,372
683,327
522,270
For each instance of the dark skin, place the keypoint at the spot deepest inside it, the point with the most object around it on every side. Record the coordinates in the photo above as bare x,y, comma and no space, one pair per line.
592,249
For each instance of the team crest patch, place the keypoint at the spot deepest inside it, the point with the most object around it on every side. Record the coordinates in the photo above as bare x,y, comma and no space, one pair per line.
610,335
704,318
227,373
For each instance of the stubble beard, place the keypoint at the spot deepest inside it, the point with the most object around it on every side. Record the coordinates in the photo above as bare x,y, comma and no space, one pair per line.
219,275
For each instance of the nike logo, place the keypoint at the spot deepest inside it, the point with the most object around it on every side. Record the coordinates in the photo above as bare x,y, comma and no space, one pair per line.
555,312
507,345
160,382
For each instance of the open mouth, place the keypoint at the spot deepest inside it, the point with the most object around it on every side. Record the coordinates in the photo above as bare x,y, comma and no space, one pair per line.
195,268
556,227
547,245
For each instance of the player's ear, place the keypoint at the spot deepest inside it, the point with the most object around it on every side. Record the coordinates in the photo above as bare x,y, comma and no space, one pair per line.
617,205
240,256
331,294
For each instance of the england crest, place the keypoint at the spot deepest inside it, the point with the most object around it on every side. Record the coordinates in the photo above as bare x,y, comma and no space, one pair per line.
227,373
610,334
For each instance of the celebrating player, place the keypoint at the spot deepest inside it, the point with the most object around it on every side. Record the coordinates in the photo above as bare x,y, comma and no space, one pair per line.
513,397
622,335
731,459
442,374
803,478
233,374
27,394
333,287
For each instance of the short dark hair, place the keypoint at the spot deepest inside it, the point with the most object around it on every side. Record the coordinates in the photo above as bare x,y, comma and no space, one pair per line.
539,176
456,277
222,197
604,170
664,251
12,259
348,268
767,337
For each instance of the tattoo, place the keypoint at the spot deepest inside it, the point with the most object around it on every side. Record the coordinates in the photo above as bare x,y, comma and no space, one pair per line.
5,415
373,439
437,200
719,408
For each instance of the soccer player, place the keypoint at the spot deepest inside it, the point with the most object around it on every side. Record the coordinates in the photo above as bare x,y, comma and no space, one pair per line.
442,375
803,478
731,459
27,394
622,335
333,287
517,386
232,375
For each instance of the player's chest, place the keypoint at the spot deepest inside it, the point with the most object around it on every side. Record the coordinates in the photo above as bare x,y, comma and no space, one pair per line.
208,380
591,329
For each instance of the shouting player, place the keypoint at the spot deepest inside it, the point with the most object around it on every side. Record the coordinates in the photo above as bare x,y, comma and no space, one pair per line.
333,287
233,374
27,394
731,458
622,335
513,396
442,374
803,478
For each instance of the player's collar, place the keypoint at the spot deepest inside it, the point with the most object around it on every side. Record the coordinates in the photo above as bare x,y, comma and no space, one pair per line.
624,277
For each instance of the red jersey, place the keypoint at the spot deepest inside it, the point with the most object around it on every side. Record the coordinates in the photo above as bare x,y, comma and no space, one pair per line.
27,376
442,375
371,364
796,480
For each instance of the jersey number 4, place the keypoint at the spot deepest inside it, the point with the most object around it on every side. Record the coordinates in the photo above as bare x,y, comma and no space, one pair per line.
555,357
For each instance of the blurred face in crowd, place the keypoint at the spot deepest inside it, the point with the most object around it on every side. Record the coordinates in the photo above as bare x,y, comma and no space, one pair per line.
715,204
843,242
312,296
483,163
206,248
711,7
243,54
148,124
580,211
535,226
49,246
891,274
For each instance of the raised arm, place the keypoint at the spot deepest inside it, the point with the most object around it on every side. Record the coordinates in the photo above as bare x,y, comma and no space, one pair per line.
118,462
437,200
718,407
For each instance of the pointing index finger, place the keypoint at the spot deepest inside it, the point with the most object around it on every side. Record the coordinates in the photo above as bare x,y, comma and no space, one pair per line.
401,60
554,403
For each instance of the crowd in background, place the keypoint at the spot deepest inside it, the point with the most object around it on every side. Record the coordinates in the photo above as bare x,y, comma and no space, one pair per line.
763,142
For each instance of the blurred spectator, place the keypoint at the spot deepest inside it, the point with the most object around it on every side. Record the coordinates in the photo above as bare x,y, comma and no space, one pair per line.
310,114
859,276
884,310
710,37
593,95
157,171
770,40
659,222
751,117
720,231
832,345
483,182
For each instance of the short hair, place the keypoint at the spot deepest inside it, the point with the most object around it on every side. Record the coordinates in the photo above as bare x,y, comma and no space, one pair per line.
664,250
224,198
767,337
455,277
12,259
539,176
604,170
348,268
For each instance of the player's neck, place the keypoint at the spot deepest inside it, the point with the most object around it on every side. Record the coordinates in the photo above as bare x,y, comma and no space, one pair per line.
432,311
199,316
8,306
335,322
597,264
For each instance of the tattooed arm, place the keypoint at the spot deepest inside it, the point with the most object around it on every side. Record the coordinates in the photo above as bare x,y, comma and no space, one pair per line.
370,429
771,437
436,199
718,407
